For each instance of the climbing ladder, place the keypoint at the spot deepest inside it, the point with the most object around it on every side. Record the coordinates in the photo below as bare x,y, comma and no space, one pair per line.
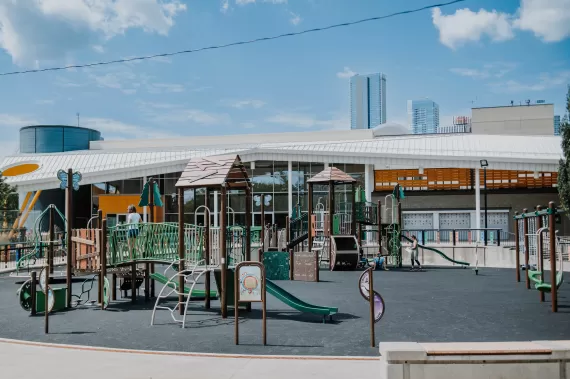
191,278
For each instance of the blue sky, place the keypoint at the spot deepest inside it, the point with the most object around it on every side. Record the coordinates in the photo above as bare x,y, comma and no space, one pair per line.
475,53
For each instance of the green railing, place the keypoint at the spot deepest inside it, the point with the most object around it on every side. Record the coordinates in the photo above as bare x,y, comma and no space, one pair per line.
299,227
366,213
153,242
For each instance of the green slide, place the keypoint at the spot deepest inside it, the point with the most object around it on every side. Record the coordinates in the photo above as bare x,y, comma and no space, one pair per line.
437,252
296,303
197,294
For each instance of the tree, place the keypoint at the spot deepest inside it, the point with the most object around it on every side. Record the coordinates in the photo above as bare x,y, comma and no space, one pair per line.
564,166
8,203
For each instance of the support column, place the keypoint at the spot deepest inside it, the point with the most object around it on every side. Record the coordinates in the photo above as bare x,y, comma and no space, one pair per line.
144,208
216,209
478,203
368,189
369,181
290,187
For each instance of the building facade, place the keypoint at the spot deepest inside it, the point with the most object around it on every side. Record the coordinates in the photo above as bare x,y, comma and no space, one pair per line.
556,125
441,175
367,101
518,120
423,116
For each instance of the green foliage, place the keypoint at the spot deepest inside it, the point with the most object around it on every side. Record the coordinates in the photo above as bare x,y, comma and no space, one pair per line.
564,165
8,203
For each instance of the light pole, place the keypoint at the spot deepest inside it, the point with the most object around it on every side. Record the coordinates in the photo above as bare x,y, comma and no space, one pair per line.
484,164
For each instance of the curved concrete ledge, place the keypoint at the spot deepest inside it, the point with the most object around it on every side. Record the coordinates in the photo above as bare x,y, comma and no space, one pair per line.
517,360
69,361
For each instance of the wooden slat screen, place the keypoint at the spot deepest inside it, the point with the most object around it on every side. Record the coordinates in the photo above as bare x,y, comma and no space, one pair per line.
434,179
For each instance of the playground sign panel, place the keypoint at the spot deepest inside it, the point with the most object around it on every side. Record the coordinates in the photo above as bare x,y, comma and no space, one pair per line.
250,284
249,287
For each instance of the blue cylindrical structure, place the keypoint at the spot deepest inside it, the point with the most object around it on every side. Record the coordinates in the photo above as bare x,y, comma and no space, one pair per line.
39,139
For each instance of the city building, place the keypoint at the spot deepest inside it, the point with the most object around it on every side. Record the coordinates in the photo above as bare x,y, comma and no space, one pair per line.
423,116
441,175
556,125
367,101
528,119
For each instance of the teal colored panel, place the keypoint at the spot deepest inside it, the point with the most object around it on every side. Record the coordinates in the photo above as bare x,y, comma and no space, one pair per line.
276,265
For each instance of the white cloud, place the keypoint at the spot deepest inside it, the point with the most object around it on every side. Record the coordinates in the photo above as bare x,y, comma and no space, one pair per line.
241,104
33,30
117,129
126,80
309,121
295,18
545,81
98,48
10,125
346,73
245,2
165,113
45,102
497,70
547,19
225,6
468,26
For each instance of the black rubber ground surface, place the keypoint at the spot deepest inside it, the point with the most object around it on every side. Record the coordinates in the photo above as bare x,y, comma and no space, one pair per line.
436,305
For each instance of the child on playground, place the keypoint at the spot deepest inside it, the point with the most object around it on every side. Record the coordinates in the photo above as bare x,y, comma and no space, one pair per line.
379,262
133,219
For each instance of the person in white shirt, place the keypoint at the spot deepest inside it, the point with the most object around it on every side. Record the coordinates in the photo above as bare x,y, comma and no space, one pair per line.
133,219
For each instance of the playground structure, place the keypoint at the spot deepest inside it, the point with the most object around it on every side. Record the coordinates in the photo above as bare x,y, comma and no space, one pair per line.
536,240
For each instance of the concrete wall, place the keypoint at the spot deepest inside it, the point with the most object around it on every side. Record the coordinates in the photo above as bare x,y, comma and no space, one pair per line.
516,120
506,360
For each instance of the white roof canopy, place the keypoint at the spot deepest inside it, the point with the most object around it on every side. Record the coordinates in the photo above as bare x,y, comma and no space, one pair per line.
528,153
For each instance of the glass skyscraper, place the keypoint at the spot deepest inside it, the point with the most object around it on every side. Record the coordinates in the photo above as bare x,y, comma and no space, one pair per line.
367,101
556,125
423,116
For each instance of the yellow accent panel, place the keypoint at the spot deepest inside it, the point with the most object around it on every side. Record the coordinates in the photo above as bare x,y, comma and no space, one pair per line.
21,169
118,204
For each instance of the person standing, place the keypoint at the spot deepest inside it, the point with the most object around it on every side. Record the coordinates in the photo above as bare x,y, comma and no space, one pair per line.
415,254
133,220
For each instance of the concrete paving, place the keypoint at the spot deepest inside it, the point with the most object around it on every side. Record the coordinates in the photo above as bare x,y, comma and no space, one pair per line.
32,361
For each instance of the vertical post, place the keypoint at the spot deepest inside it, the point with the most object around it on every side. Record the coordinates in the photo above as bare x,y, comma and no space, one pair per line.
49,266
371,304
151,266
181,246
262,223
399,235
539,252
310,217
236,306
551,233
379,217
207,222
517,248
485,180
287,230
69,228
103,259
114,286
526,244
247,232
223,251
331,209
99,225
290,187
353,216
478,203
33,293
264,304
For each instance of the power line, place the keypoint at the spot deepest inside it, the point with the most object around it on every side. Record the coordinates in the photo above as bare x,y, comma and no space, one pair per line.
214,47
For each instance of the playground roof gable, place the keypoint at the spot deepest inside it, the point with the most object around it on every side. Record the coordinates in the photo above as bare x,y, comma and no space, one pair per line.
215,171
332,174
